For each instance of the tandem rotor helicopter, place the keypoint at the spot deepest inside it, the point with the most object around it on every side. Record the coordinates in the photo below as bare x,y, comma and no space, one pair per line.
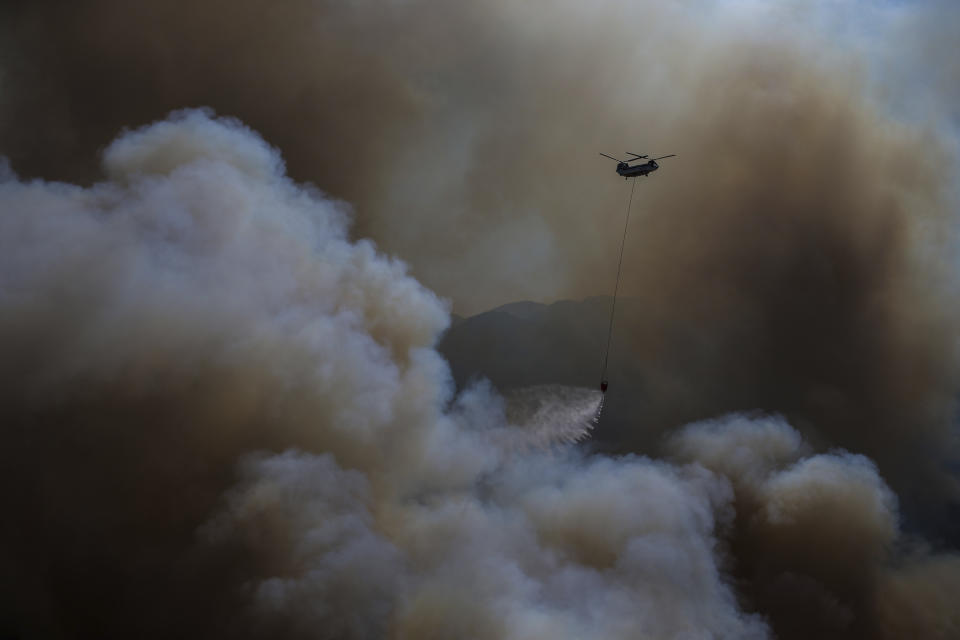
645,169
624,169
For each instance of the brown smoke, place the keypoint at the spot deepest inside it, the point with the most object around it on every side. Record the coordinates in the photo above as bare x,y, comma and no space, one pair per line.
223,419
816,542
480,124
163,326
808,274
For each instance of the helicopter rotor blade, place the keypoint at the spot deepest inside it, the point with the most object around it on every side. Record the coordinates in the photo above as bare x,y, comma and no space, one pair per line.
637,155
669,156
611,157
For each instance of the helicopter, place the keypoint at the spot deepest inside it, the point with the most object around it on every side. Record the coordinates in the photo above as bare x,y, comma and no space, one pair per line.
645,169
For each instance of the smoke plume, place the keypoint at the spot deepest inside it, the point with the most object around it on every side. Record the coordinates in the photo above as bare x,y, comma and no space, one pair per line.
817,537
165,326
467,138
222,411
223,418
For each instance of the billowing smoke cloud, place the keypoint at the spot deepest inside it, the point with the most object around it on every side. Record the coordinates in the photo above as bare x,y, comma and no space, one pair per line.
165,326
195,307
817,540
223,418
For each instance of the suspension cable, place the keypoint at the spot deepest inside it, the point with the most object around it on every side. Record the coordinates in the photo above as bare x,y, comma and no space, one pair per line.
616,288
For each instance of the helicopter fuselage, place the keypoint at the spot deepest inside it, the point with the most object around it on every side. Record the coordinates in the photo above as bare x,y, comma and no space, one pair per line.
625,170
642,169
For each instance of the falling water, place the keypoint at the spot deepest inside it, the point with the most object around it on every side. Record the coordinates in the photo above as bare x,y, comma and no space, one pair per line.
544,415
